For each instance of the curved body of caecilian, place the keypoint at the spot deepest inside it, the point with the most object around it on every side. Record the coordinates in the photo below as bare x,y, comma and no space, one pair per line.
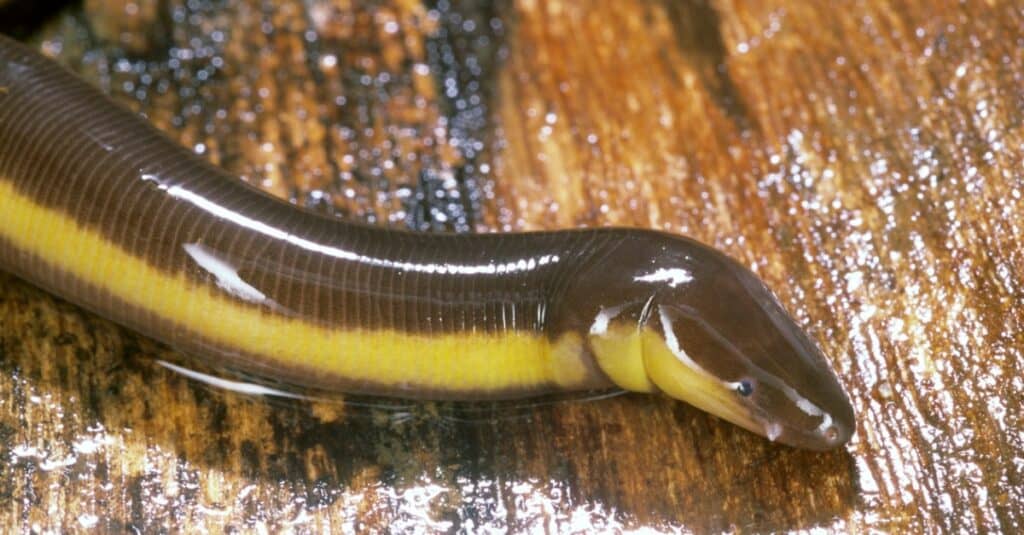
100,208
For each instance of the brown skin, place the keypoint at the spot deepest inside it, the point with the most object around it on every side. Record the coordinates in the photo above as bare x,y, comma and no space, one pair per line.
730,324
69,149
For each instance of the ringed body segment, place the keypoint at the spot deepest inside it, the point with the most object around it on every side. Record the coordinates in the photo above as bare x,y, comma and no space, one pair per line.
100,208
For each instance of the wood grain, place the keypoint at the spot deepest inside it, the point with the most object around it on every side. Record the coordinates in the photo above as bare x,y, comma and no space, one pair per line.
866,161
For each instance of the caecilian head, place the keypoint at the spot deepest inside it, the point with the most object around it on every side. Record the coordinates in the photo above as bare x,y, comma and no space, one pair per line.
676,316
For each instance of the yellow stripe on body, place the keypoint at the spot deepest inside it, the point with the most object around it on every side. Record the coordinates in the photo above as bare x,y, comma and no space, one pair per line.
695,386
619,353
456,362
640,360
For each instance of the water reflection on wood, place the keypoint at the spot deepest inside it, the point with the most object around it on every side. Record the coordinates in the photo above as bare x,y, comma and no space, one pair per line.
864,161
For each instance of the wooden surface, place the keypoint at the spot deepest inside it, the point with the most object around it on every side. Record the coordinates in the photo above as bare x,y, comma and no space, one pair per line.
866,161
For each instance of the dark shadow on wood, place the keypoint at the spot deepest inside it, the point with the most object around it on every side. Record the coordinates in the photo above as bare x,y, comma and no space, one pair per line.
20,18
698,35
714,477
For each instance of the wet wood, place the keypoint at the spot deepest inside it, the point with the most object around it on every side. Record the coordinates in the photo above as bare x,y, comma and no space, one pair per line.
865,161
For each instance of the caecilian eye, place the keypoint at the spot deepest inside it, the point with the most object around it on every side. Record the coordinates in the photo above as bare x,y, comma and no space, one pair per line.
744,388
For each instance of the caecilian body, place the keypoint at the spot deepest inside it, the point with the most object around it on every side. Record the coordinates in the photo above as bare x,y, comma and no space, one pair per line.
100,208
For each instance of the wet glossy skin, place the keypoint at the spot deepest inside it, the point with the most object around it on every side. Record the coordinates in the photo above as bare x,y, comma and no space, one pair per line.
754,365
168,245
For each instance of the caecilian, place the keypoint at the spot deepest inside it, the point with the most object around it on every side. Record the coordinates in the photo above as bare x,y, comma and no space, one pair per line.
100,208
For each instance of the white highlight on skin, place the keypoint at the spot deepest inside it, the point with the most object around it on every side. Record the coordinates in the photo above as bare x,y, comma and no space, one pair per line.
826,423
810,409
603,318
803,404
518,265
607,314
234,386
673,343
226,274
673,276
646,311
772,429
